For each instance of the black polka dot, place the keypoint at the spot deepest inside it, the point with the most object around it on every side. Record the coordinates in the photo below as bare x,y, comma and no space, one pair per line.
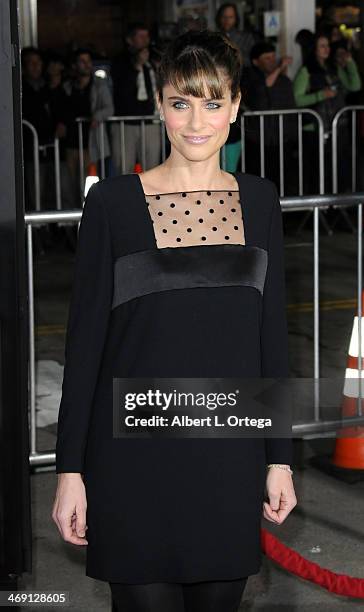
211,210
189,229
214,229
187,212
198,201
160,214
221,201
172,205
209,193
200,220
227,237
184,195
230,193
233,210
203,237
236,227
157,197
164,231
178,239
224,218
148,203
174,221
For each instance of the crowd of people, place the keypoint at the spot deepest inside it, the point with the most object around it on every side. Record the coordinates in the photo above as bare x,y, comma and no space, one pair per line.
56,92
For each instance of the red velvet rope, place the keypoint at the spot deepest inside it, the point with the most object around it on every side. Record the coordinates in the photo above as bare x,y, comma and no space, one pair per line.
292,561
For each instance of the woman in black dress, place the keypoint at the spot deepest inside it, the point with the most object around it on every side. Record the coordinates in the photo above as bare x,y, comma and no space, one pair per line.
179,274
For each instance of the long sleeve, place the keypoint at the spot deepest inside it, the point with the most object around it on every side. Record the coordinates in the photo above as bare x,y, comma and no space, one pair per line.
301,85
105,104
350,77
87,325
274,335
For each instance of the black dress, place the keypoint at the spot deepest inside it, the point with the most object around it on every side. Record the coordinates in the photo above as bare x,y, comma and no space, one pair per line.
187,509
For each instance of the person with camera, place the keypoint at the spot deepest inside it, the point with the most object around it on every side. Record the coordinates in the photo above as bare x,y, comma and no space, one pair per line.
322,84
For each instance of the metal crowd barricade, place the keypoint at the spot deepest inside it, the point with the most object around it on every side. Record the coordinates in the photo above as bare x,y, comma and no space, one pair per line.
35,161
35,219
315,209
122,120
311,203
342,113
57,166
261,115
335,156
281,114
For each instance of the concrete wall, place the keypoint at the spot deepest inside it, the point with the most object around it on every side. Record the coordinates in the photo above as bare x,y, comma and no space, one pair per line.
296,15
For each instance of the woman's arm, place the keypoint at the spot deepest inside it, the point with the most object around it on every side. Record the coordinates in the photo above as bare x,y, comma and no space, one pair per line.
274,334
274,350
349,76
301,85
88,318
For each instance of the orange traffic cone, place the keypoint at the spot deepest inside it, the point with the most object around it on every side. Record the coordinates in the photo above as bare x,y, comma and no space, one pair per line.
349,447
92,169
138,168
91,177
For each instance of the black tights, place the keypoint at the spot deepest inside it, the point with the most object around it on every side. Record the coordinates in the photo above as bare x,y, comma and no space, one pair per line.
221,596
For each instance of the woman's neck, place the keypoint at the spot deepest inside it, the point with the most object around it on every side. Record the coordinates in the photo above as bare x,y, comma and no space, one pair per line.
192,177
173,176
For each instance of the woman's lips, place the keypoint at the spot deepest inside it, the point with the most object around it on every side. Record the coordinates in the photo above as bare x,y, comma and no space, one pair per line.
197,139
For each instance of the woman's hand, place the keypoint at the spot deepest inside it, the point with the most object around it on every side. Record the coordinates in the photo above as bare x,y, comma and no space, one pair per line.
329,93
281,495
69,508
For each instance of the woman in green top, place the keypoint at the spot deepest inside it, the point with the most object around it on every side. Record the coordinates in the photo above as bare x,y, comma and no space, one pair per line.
322,84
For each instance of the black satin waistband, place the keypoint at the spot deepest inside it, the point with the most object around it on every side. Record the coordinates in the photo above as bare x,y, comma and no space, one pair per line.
155,270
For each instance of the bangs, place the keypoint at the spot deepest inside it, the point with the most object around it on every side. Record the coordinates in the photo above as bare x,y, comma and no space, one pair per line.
193,72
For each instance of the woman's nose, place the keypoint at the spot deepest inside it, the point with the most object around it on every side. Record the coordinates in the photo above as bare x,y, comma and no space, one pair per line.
196,119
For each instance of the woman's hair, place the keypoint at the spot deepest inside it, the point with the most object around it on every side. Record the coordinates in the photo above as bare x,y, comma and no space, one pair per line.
312,64
305,39
201,56
220,11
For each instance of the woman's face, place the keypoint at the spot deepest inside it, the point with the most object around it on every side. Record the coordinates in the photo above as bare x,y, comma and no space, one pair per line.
228,19
322,48
197,127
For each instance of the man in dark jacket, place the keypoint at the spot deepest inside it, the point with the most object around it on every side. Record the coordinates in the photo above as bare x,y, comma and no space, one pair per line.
134,94
265,86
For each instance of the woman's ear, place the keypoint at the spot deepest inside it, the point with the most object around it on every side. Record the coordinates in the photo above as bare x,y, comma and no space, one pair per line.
158,104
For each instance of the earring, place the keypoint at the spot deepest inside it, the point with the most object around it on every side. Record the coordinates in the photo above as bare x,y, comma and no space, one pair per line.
161,117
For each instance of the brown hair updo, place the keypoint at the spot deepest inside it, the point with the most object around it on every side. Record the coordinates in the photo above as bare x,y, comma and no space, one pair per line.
201,56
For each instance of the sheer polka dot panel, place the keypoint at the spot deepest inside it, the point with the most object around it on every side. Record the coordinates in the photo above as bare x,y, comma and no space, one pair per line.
196,218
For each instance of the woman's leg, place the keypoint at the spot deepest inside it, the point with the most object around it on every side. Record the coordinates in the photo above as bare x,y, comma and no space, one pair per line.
152,597
220,596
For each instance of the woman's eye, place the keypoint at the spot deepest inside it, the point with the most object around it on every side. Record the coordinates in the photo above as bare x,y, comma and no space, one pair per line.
210,105
178,104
